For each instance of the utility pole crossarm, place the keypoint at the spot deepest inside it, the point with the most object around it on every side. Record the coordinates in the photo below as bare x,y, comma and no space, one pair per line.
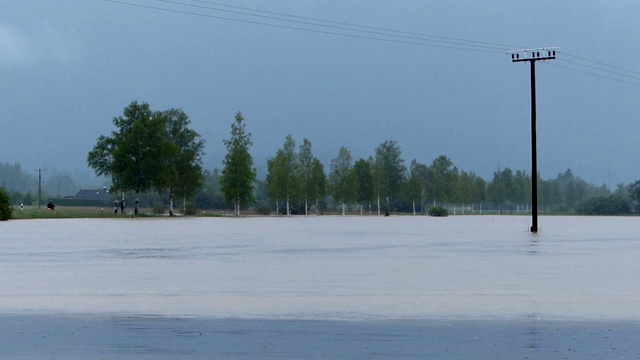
541,54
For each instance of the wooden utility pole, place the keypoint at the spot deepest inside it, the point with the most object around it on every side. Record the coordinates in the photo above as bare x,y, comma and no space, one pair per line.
536,55
39,184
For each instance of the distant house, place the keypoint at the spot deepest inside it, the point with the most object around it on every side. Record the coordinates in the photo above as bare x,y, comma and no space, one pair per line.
101,194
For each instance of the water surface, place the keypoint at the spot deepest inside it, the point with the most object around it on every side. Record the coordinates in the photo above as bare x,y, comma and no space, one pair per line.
357,268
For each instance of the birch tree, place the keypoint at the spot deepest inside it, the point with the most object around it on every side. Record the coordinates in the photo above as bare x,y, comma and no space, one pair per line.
183,162
306,162
390,172
238,175
341,178
281,176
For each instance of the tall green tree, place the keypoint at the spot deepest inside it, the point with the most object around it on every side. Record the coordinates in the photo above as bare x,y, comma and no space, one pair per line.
238,175
364,183
441,179
306,162
281,173
521,188
500,189
342,178
183,174
390,172
415,186
479,195
133,156
464,190
319,181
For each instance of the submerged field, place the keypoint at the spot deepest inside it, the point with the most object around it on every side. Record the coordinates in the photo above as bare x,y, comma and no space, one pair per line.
398,277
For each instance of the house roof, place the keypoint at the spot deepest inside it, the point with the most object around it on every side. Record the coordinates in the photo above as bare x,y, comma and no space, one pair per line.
99,194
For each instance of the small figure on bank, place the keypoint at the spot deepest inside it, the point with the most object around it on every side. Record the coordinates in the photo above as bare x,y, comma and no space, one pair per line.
115,207
122,206
51,206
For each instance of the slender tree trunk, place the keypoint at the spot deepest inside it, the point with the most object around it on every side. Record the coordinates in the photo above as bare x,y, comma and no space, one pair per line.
378,204
306,207
288,211
414,207
277,208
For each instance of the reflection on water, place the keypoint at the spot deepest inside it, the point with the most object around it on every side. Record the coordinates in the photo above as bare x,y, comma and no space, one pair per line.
325,267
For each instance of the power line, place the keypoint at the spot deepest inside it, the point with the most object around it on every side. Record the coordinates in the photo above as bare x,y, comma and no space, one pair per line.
603,70
358,31
494,45
464,47
378,31
594,74
600,63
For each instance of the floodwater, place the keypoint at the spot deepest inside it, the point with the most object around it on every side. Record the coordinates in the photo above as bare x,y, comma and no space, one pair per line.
399,287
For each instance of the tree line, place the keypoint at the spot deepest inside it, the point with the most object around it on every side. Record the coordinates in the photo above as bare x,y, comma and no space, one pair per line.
156,152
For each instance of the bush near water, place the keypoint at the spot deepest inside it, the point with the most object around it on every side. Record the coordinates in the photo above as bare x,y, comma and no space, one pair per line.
6,210
438,211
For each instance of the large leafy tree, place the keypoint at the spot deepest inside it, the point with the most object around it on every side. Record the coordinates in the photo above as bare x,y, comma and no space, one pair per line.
442,178
150,149
342,179
390,172
364,183
281,173
238,175
133,156
183,165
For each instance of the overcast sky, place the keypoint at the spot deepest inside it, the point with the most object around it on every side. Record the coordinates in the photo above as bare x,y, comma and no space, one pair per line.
67,67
